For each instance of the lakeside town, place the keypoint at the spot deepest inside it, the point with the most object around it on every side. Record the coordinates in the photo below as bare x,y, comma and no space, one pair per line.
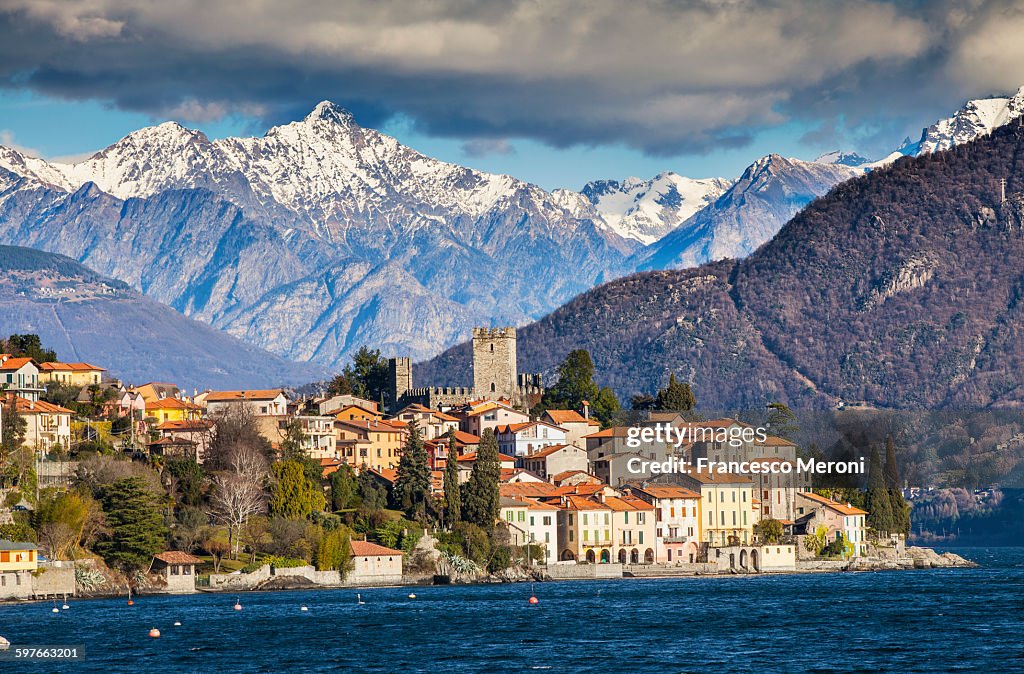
114,488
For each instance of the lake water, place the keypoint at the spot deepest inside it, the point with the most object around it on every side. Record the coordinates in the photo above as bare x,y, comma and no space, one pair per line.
899,621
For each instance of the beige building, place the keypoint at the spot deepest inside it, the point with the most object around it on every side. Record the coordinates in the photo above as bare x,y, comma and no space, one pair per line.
177,569
837,518
369,444
20,376
726,506
47,426
478,416
374,564
677,514
634,529
319,438
432,423
266,402
555,459
532,523
584,530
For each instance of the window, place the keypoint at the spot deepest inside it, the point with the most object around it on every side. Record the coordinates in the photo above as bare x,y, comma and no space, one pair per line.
522,516
187,569
547,536
627,516
570,535
606,516
640,518
174,569
640,537
584,519
586,534
531,520
508,515
547,520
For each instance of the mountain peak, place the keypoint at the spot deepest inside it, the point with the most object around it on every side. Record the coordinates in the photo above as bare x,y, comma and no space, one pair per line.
330,112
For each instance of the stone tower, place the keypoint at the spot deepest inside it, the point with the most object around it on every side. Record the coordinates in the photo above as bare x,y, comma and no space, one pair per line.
494,363
399,377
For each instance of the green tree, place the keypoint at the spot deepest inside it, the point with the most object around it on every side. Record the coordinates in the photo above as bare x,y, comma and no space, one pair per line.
339,385
412,487
27,346
575,383
190,478
372,494
782,421
605,406
642,401
343,487
61,394
13,428
452,496
676,397
136,525
334,551
292,495
64,519
769,530
898,505
368,374
877,500
480,493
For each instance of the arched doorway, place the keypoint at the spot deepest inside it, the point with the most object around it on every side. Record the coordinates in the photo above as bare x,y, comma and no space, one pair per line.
743,559
590,557
634,556
568,556
754,561
606,556
649,556
622,556
691,551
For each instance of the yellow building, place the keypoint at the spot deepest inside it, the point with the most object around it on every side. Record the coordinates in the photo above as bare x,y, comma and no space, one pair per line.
584,530
374,443
635,529
726,513
356,413
15,556
72,374
172,409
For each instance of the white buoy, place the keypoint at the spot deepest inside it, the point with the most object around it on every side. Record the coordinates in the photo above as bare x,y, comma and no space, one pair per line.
359,599
303,609
4,644
412,595
65,606
177,624
55,610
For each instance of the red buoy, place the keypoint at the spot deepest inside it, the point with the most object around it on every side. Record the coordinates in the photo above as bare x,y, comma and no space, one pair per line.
155,633
534,600
131,603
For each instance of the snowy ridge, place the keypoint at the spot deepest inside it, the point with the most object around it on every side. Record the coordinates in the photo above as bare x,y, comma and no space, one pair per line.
976,118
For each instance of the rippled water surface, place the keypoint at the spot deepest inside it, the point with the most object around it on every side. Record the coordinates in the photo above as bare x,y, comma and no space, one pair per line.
901,621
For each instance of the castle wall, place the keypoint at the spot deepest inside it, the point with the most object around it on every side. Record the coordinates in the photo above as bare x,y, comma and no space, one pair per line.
494,362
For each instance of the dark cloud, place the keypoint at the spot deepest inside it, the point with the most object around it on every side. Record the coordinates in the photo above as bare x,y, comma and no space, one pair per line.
665,77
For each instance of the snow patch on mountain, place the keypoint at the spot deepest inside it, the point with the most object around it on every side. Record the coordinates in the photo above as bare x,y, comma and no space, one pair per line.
976,118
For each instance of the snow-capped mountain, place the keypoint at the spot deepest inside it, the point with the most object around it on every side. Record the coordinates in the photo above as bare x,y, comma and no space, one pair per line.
646,210
315,238
840,157
770,192
976,118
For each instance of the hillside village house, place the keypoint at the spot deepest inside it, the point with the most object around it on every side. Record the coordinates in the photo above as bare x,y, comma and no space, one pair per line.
357,413
532,523
369,444
727,505
20,376
319,439
777,491
47,426
195,433
575,425
554,460
466,461
71,374
838,518
432,424
172,409
526,438
478,416
677,517
266,402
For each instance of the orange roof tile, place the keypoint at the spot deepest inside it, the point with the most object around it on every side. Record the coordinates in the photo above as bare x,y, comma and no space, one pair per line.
668,491
227,396
14,363
177,557
842,508
367,549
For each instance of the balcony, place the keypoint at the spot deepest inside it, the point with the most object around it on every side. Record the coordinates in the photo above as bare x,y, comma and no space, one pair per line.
675,539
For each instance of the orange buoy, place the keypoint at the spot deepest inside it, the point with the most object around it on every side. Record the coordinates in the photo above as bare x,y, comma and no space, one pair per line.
155,633
534,600
238,607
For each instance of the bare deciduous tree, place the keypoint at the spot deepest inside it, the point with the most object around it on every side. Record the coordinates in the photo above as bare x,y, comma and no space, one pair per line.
239,491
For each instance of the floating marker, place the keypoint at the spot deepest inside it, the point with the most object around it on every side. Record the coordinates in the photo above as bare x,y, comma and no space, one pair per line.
55,610
534,600
533,597
177,624
238,607
303,609
412,595
155,633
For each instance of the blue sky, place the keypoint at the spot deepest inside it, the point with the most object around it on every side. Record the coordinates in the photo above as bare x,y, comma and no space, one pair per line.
558,93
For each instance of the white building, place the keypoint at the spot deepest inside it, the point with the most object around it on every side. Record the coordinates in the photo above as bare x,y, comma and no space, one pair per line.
272,402
526,438
532,523
677,515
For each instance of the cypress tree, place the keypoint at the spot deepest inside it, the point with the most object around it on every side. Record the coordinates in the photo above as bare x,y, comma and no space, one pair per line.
480,505
676,397
879,506
452,497
137,530
412,488
898,505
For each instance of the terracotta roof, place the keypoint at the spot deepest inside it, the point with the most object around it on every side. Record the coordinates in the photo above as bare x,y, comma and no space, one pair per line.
512,502
70,367
14,363
627,503
842,508
577,502
367,549
185,425
172,404
558,477
469,457
388,474
774,441
467,438
527,489
569,417
177,557
25,406
714,477
227,396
